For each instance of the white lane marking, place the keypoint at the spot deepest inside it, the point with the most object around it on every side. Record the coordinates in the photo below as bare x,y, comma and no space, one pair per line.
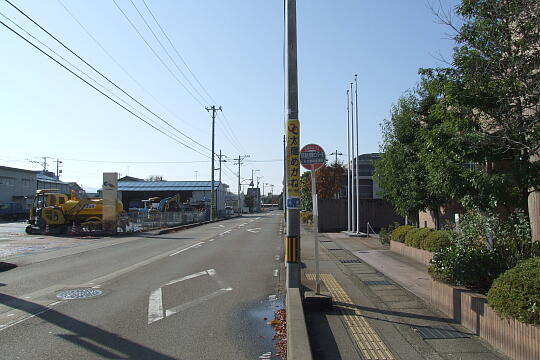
191,303
155,300
276,272
192,276
211,240
220,225
272,298
155,306
254,230
225,232
257,218
189,247
244,224
47,308
267,355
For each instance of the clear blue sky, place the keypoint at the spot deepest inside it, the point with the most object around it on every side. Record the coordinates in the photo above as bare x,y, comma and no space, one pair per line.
235,49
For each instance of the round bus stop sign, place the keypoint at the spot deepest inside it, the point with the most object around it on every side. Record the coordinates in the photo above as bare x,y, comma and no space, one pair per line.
312,157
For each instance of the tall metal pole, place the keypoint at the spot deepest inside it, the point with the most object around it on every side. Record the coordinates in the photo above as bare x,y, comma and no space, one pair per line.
293,147
239,186
284,191
353,167
348,166
213,192
357,156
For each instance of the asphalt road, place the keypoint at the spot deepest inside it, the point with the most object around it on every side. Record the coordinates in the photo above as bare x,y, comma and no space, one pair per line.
202,293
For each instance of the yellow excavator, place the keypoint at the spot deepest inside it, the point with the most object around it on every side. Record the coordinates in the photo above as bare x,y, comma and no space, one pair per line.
52,212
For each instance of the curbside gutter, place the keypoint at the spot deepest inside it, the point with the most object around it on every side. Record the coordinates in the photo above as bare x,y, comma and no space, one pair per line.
298,347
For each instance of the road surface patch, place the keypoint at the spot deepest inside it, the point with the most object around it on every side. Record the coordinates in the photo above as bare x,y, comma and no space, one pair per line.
364,336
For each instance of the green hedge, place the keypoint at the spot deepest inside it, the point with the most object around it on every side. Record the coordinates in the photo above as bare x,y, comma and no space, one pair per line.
399,233
516,293
416,237
436,240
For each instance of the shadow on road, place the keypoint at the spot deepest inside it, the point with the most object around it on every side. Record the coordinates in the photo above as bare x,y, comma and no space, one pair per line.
100,342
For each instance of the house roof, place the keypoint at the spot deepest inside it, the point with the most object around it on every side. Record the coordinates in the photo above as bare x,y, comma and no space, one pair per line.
166,185
17,169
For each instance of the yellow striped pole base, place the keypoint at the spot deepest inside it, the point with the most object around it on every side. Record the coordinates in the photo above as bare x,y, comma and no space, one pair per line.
291,249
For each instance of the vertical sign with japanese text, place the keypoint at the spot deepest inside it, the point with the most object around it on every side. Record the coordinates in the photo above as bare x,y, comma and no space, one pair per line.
293,164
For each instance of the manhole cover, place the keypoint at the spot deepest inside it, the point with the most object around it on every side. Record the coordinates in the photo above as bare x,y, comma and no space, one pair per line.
378,282
440,332
85,293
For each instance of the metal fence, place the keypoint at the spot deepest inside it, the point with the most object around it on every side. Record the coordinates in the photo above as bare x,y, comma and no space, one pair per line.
145,220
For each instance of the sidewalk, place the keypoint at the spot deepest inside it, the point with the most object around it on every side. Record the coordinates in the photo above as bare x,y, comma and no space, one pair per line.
380,306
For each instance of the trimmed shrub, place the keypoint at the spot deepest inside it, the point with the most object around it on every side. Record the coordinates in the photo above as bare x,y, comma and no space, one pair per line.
415,237
399,233
475,267
436,240
516,293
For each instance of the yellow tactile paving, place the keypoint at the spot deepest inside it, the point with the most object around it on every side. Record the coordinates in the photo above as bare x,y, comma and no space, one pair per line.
365,337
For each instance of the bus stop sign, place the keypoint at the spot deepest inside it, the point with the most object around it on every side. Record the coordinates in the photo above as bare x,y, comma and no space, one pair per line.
312,157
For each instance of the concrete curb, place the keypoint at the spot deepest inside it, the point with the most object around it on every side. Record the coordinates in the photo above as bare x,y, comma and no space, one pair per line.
187,226
298,347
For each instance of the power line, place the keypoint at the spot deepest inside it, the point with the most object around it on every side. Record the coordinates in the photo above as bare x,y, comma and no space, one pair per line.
96,41
226,121
177,52
101,74
96,89
78,69
164,48
156,54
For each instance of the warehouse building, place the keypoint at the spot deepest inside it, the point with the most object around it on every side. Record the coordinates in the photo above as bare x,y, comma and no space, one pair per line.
192,193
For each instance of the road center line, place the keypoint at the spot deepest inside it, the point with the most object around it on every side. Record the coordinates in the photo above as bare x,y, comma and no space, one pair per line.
185,249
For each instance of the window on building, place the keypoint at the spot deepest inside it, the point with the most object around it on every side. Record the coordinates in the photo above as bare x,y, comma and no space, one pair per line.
27,182
7,181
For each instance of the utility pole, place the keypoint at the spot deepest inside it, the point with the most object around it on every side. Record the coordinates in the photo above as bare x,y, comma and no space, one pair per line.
221,186
336,153
58,171
357,156
292,252
284,191
212,193
239,163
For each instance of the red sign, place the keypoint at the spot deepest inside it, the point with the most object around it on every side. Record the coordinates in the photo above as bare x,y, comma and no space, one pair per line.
312,157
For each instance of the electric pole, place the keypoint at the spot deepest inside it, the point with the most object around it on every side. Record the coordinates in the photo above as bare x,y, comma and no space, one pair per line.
239,163
212,192
58,171
336,153
292,127
220,161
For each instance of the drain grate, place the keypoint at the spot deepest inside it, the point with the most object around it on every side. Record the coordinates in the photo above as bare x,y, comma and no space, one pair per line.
440,332
335,249
85,293
325,241
378,282
353,261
